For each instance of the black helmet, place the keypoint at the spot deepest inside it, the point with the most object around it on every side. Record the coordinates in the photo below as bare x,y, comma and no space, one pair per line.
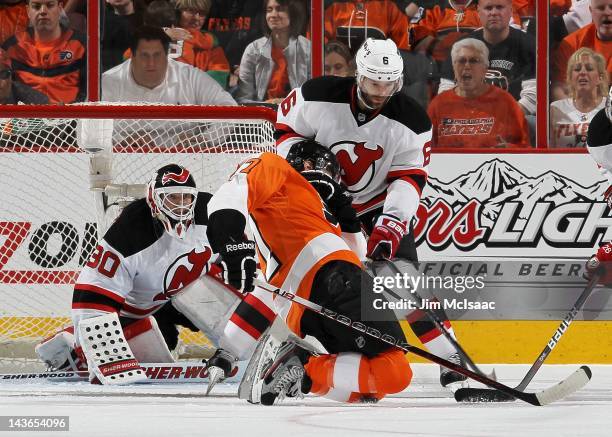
171,195
319,156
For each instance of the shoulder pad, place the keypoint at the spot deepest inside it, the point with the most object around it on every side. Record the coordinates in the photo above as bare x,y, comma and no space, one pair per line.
407,111
328,89
600,130
134,230
201,208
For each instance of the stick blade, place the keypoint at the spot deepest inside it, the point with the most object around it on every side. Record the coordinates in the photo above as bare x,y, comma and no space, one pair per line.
469,394
572,383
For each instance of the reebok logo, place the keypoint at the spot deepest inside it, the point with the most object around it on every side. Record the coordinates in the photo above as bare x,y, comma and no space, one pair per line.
240,246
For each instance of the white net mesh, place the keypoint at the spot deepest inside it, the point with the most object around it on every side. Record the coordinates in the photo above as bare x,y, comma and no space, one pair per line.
50,218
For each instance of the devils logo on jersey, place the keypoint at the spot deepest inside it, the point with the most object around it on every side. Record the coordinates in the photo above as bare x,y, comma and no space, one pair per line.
358,163
182,272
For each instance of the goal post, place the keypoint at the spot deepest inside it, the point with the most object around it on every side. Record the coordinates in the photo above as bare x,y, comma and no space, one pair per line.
66,173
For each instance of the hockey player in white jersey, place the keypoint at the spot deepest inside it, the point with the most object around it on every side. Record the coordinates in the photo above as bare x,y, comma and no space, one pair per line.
381,138
599,144
156,248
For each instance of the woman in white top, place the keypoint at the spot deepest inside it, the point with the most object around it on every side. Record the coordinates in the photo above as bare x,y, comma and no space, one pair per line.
273,65
587,79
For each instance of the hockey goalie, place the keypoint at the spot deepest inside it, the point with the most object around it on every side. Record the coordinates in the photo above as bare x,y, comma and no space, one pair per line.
144,278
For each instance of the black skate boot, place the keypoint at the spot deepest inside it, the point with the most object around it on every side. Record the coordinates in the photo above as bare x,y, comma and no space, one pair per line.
447,376
286,376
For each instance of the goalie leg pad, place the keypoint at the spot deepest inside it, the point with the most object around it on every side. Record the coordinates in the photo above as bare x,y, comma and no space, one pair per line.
147,342
109,357
209,304
58,352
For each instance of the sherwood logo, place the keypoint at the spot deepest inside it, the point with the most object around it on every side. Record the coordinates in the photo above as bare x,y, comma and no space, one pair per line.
498,206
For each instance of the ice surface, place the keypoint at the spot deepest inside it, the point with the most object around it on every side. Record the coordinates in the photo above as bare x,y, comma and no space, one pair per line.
425,409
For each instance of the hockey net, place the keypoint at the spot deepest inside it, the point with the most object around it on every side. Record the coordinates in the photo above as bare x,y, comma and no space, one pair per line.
67,172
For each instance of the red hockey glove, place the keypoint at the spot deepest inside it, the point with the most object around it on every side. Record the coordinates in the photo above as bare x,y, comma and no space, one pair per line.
601,262
385,238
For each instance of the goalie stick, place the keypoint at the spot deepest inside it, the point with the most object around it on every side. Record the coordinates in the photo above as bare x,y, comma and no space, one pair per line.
469,394
569,385
436,321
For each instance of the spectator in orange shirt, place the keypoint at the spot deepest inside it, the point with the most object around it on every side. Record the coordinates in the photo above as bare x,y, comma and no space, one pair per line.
273,65
596,36
475,113
13,18
352,21
338,60
12,93
435,31
207,54
49,57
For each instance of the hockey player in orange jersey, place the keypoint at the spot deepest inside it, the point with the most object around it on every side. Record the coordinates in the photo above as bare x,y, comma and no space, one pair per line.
302,252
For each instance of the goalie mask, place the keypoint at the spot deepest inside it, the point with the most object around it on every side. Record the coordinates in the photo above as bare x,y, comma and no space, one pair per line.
380,71
171,195
310,155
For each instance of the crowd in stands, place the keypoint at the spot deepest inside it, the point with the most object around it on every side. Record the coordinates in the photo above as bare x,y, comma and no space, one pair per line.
470,63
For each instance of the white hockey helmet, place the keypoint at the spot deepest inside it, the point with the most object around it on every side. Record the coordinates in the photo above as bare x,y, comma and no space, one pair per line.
380,71
172,195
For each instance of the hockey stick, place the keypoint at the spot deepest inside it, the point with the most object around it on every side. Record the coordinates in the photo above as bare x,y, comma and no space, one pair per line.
569,385
436,321
469,394
157,373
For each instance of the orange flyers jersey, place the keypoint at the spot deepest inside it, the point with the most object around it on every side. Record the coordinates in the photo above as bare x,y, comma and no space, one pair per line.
56,69
559,7
585,37
446,25
12,19
525,8
287,220
493,119
349,21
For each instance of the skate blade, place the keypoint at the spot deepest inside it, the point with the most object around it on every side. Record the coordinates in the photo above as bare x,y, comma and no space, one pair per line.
215,375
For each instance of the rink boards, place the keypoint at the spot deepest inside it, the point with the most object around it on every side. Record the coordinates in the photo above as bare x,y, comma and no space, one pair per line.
500,206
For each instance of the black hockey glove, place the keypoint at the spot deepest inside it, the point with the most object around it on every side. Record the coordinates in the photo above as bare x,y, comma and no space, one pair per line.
238,263
340,205
322,182
226,236
337,200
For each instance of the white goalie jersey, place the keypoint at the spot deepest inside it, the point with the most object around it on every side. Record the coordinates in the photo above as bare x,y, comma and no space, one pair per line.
383,155
137,267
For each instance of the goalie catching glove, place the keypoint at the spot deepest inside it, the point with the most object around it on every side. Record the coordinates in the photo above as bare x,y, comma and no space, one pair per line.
601,263
385,238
